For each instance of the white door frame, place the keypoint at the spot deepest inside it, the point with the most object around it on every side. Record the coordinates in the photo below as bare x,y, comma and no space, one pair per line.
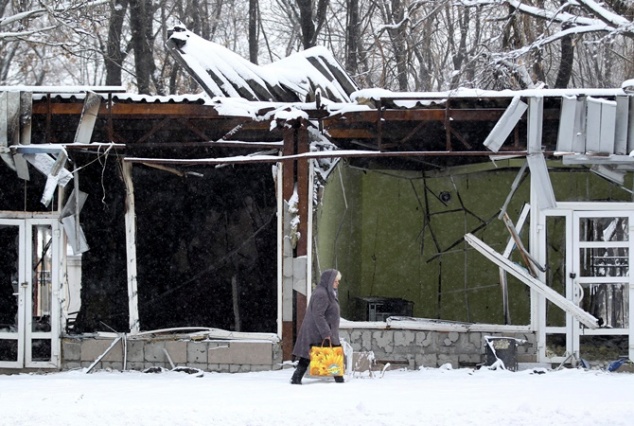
573,330
25,334
579,280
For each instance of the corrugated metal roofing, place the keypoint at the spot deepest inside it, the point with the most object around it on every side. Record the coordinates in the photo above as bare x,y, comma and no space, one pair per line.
72,96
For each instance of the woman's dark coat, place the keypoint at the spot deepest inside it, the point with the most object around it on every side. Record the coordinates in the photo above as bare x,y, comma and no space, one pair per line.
322,316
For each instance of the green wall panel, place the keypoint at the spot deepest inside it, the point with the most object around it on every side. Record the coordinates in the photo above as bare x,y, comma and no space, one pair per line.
399,234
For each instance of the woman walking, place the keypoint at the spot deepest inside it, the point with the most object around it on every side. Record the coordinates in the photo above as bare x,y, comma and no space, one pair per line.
321,322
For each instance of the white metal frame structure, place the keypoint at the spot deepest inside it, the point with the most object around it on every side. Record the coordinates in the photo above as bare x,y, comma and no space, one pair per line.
34,340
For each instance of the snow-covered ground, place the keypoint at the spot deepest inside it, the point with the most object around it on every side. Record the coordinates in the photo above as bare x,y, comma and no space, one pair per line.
425,397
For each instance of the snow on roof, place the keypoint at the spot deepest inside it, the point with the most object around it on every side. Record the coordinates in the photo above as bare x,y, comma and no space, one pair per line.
364,95
297,78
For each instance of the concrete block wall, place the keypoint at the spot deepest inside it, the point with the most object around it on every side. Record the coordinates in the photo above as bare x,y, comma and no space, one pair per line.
140,354
401,348
416,348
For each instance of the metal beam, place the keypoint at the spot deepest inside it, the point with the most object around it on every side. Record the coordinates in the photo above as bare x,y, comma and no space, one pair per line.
316,154
535,124
572,128
521,274
505,124
88,118
130,235
541,179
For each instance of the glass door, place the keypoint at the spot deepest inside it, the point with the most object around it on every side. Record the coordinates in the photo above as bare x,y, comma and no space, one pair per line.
12,293
601,283
29,285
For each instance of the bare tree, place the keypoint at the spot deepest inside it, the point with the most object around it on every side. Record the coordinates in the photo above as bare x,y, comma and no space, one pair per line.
396,25
253,31
352,36
395,44
114,54
311,22
36,38
141,16
583,26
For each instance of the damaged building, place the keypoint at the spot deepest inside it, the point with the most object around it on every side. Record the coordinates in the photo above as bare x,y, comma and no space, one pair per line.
143,231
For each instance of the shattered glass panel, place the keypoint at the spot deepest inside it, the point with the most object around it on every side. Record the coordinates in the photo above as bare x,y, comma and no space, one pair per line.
603,254
608,302
603,229
609,260
604,262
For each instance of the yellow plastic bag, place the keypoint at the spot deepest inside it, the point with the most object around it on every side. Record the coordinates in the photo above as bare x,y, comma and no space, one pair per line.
326,361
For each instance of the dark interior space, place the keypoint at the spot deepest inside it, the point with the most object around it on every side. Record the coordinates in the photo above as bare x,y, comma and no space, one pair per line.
104,297
206,248
23,195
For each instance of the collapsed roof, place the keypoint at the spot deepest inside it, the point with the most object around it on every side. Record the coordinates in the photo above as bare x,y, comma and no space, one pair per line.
296,78
244,104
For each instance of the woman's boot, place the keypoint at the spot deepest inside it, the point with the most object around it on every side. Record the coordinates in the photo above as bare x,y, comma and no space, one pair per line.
300,370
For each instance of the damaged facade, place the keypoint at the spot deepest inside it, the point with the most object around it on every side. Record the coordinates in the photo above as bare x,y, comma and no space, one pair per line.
143,231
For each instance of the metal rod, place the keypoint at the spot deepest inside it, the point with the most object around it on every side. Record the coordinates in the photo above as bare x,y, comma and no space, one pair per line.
321,154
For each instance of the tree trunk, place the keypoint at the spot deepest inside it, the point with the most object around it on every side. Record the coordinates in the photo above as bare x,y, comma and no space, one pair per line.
142,42
460,56
253,31
114,55
322,8
565,65
310,31
397,36
306,22
352,37
218,9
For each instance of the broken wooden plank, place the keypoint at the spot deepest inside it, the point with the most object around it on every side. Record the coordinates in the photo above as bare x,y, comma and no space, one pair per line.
529,260
521,274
